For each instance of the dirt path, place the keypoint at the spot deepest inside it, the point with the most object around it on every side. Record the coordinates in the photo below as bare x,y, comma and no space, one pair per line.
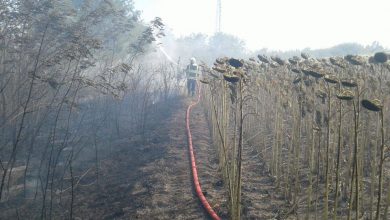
260,198
165,189
207,163
153,181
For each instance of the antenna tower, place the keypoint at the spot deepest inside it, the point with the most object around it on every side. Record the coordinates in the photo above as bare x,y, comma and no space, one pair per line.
219,15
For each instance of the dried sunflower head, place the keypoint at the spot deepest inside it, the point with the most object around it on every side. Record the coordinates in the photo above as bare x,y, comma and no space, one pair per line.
231,78
278,60
372,105
355,60
295,70
348,83
304,55
263,58
330,79
345,95
338,62
381,57
297,80
235,63
314,73
219,69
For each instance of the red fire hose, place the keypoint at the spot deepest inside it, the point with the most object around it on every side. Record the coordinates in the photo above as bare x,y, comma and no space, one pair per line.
198,189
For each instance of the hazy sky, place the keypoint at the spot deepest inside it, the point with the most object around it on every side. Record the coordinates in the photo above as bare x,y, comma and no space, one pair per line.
278,24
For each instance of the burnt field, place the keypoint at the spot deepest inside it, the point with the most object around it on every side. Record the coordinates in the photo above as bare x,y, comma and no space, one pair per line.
94,96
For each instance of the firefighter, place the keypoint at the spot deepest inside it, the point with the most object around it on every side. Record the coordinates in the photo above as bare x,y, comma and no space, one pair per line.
192,73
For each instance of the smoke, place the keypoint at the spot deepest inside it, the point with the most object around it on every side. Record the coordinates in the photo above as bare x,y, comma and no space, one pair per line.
161,48
167,55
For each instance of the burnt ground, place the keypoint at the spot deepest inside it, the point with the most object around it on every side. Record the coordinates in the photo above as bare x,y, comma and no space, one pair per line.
153,180
261,198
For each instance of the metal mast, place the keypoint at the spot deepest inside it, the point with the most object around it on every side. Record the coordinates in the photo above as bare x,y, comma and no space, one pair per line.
219,15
